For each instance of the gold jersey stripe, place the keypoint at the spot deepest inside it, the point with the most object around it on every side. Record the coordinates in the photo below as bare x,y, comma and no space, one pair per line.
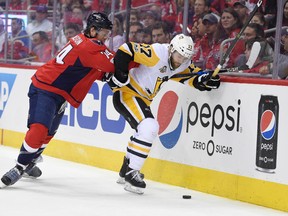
138,148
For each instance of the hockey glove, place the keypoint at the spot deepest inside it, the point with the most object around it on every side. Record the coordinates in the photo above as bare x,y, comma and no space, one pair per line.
205,82
114,83
213,83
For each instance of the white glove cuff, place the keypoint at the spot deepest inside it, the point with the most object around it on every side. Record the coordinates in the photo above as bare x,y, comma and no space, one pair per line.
120,84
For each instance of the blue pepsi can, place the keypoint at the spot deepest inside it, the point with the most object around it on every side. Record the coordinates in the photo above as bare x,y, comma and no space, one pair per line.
267,133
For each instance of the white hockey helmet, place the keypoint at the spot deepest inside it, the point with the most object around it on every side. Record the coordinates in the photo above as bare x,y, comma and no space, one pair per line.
183,44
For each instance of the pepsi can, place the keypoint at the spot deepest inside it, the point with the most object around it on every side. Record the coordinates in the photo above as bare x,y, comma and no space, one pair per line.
267,133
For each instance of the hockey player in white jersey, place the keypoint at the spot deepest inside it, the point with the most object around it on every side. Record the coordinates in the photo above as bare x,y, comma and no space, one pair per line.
140,70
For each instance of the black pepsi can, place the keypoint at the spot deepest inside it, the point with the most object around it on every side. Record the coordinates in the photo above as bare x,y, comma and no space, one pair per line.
267,133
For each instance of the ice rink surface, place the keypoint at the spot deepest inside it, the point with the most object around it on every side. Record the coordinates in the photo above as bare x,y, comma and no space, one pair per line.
71,189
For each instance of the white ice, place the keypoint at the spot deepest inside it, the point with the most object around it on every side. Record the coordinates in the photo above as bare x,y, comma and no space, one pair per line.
72,189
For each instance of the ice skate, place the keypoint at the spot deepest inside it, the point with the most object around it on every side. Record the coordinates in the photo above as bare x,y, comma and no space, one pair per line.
134,182
33,171
123,170
12,176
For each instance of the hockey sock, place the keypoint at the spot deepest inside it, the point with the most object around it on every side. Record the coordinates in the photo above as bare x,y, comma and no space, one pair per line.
34,139
26,154
42,148
138,152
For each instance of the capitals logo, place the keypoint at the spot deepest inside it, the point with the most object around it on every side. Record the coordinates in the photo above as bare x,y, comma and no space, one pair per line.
170,118
268,124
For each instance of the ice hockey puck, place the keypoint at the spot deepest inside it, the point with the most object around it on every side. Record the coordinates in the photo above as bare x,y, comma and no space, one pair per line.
186,196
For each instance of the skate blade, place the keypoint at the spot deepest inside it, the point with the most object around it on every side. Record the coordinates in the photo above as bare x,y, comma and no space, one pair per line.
2,185
25,175
121,180
128,187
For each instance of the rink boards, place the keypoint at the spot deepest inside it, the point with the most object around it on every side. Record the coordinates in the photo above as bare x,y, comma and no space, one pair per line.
207,140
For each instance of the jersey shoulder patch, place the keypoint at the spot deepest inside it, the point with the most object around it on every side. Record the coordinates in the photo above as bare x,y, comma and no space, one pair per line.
145,54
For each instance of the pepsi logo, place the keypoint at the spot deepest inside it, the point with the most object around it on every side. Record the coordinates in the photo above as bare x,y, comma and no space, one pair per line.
170,119
268,124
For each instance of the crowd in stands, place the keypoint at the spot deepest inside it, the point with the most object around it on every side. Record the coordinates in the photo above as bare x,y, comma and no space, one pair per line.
211,23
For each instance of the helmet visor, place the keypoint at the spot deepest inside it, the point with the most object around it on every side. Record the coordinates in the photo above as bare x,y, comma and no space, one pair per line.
103,34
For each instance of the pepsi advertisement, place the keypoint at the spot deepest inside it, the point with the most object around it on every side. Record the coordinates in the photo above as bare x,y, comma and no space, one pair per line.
240,128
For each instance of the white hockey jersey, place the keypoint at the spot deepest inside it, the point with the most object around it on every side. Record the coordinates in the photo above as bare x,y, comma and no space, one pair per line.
153,68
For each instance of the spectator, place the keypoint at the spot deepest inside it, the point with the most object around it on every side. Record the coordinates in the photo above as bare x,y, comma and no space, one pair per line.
157,7
194,31
284,40
134,27
259,18
117,36
201,7
160,33
134,16
262,64
149,18
285,14
198,30
42,48
270,11
207,42
78,15
70,30
139,36
18,44
283,58
41,23
252,31
147,36
18,32
228,28
242,9
16,50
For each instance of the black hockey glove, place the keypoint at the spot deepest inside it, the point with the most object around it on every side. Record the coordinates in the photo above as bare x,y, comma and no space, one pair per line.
205,82
113,82
214,82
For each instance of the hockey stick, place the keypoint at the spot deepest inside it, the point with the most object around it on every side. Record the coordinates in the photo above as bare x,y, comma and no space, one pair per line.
189,75
231,47
255,50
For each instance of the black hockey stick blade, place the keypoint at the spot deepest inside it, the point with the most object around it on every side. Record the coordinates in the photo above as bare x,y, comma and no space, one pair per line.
233,43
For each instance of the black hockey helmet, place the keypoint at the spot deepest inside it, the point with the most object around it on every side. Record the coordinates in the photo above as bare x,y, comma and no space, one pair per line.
99,21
